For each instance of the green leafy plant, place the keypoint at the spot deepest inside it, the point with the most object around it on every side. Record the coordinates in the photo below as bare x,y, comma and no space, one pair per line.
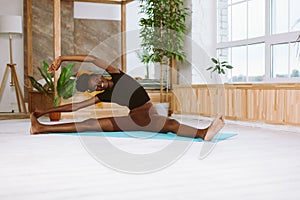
65,85
219,66
162,31
163,28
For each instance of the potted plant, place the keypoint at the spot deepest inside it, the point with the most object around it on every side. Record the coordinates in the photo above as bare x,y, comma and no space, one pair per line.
65,86
219,67
217,91
162,33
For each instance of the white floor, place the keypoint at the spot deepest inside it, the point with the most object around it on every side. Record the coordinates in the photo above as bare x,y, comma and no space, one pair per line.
259,163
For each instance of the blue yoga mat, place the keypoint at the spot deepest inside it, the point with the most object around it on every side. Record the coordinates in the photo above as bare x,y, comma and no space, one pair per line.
149,135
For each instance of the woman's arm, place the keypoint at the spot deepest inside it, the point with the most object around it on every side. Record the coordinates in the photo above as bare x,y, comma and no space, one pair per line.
83,58
68,107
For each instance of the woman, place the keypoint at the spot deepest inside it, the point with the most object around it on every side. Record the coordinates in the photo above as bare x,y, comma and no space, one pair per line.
123,90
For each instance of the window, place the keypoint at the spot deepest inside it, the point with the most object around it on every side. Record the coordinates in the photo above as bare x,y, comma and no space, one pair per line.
256,64
285,62
239,58
256,18
294,65
258,38
280,60
241,20
248,61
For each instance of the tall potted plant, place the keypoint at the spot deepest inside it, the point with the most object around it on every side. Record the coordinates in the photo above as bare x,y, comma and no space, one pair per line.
162,31
65,86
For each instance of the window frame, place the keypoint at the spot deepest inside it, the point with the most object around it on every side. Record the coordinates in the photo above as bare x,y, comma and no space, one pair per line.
268,39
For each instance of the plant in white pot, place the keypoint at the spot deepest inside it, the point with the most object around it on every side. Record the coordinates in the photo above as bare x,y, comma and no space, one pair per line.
217,91
219,67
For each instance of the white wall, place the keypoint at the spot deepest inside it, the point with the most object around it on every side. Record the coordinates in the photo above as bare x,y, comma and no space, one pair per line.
204,36
85,10
8,98
200,42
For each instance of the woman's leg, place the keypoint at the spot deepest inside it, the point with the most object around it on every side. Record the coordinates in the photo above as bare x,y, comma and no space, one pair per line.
103,124
172,125
140,121
146,118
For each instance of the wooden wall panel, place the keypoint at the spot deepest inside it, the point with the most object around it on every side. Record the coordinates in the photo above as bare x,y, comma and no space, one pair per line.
255,98
270,103
292,106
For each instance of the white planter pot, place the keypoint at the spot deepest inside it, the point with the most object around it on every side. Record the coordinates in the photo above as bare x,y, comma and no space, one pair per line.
162,108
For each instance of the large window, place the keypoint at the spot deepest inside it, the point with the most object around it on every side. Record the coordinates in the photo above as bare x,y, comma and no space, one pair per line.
258,38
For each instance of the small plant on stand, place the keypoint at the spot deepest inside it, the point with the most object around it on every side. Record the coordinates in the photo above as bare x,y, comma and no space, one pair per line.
220,67
217,91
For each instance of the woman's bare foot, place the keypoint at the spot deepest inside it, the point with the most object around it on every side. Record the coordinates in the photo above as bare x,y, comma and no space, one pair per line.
34,129
214,128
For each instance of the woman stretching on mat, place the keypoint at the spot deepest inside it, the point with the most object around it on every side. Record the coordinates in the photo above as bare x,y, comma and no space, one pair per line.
125,91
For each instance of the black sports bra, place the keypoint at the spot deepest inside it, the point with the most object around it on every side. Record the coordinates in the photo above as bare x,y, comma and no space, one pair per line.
126,92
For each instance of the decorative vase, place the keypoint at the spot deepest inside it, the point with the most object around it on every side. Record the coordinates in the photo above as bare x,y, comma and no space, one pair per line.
54,116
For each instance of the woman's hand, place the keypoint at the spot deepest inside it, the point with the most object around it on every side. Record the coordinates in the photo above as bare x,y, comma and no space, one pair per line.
55,64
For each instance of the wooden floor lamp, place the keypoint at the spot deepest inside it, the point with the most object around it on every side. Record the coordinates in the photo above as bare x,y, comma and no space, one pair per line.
11,25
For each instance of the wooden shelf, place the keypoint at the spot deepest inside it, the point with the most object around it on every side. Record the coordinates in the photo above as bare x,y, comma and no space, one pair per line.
9,116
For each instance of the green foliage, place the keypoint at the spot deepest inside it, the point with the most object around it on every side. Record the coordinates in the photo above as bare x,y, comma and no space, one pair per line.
219,66
65,85
145,58
49,86
38,86
163,28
